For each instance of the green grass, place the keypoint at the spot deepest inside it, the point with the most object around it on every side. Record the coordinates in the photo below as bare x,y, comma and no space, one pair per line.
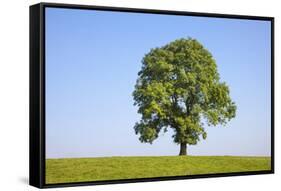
112,168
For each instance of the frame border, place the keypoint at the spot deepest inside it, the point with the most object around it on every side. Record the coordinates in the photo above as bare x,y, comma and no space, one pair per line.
37,93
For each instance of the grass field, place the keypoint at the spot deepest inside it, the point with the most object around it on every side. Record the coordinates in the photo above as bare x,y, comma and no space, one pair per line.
110,168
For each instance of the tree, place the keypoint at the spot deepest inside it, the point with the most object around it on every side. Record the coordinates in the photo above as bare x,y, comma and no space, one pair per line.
179,87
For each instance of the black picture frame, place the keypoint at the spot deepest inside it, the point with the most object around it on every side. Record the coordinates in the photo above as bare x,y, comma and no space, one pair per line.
37,93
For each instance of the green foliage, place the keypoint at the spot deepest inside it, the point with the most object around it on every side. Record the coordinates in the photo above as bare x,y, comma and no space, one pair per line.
116,168
179,87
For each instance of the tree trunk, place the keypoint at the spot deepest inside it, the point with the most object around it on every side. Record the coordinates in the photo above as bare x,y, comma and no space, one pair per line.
183,149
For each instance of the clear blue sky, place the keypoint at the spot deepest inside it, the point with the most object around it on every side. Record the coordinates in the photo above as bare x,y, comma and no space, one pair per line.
92,61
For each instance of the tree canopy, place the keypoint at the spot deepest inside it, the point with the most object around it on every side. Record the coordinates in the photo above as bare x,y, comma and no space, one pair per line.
179,87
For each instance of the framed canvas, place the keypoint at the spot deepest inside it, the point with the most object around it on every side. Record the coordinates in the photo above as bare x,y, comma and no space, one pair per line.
122,95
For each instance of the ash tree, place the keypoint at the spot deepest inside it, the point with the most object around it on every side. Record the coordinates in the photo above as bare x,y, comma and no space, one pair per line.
179,87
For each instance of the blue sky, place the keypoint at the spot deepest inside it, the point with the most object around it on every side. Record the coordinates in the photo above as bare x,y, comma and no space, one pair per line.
92,61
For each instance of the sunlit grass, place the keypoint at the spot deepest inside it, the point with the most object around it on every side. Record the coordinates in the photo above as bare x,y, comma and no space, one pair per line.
112,168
